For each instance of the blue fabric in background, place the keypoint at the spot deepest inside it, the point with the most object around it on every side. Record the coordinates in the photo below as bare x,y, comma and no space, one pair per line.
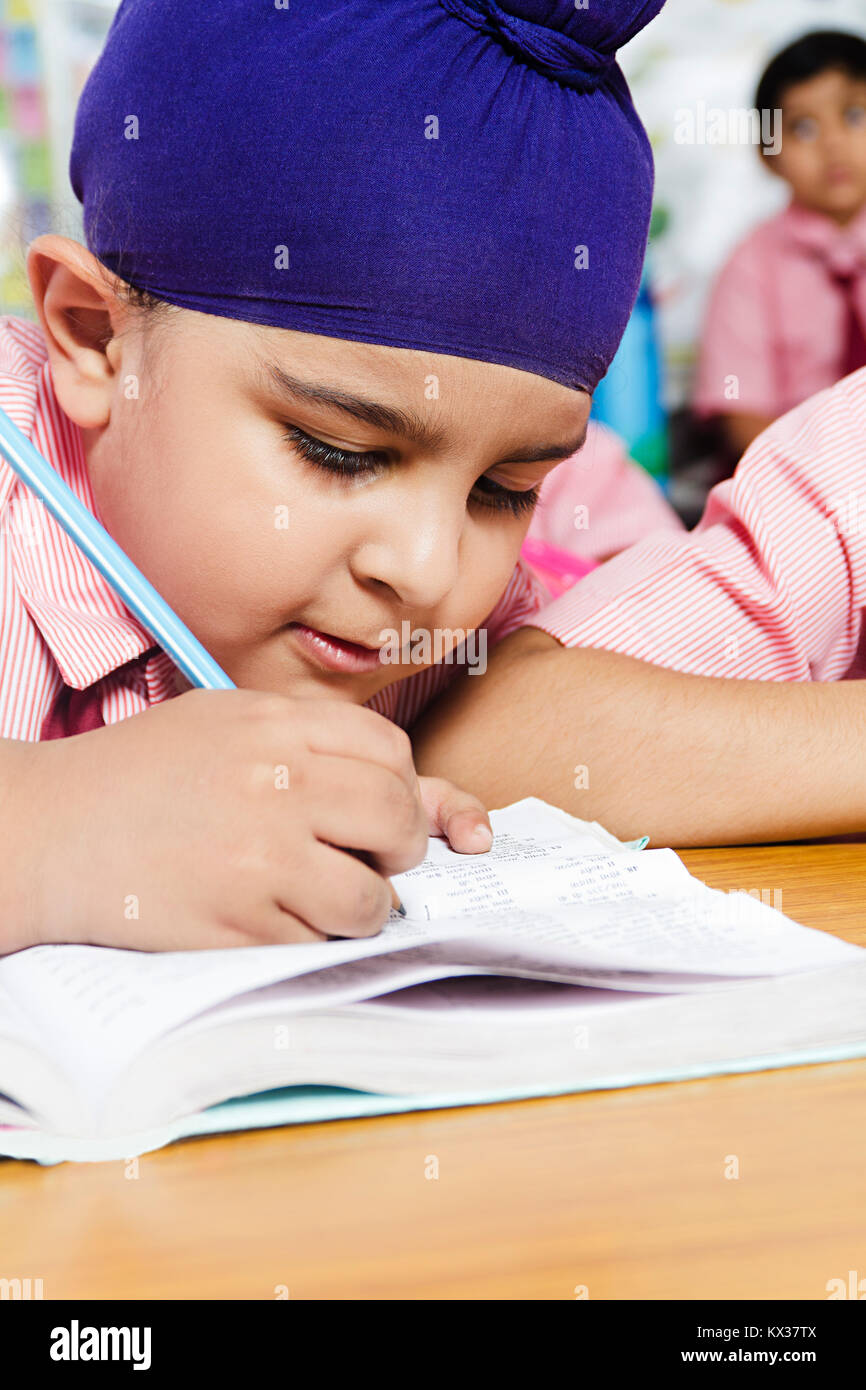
629,398
419,173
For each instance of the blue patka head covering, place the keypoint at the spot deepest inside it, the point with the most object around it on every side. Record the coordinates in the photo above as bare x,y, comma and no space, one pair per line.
458,176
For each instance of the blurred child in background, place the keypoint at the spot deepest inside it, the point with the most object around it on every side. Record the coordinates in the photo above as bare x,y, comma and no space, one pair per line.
786,316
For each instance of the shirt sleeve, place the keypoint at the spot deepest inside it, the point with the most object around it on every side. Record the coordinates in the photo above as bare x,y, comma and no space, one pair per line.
771,583
736,364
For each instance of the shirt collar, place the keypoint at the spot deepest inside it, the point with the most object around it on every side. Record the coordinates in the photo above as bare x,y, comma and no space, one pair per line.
842,248
88,630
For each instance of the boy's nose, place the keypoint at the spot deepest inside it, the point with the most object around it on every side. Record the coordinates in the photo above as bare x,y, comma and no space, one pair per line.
415,548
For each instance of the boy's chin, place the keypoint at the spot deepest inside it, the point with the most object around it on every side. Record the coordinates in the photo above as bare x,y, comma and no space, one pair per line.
840,202
310,685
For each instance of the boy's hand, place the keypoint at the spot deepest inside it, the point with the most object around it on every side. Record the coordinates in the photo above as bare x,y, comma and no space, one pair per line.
456,814
221,818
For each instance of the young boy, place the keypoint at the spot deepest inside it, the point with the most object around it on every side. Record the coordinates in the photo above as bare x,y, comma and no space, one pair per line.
787,315
352,275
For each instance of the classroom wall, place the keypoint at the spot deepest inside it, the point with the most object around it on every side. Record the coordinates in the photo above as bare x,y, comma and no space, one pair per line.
47,48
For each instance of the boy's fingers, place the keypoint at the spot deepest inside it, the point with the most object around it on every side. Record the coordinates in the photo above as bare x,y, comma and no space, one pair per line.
342,895
456,814
341,729
364,807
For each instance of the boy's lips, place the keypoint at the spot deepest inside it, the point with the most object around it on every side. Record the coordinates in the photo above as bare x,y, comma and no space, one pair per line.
334,653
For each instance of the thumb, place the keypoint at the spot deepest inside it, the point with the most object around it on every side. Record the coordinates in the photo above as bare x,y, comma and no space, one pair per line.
456,814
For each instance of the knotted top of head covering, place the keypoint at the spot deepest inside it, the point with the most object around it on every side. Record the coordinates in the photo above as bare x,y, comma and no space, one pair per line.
459,176
558,37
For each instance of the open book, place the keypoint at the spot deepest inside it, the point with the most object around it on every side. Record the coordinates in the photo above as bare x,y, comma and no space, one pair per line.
561,960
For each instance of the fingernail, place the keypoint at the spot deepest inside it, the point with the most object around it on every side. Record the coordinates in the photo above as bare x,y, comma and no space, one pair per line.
483,834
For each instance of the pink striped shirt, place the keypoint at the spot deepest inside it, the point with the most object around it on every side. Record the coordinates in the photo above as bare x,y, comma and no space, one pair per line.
775,326
771,584
60,621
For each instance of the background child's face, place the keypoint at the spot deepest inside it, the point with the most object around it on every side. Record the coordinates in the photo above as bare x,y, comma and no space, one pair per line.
202,480
823,154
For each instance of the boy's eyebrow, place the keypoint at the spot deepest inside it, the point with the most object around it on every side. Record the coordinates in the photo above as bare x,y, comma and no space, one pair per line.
395,421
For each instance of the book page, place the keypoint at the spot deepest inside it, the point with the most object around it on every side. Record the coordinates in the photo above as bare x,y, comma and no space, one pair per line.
442,965
649,913
517,872
539,856
699,933
92,1006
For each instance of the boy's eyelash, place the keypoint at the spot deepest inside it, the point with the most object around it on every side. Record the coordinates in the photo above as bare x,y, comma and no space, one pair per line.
331,458
348,465
507,499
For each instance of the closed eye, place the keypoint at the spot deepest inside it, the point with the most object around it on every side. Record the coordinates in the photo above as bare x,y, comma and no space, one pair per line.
347,464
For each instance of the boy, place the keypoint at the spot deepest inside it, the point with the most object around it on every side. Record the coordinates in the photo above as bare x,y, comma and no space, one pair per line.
329,334
787,313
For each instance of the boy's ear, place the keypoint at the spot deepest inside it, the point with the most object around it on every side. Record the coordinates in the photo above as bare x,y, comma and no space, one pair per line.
79,314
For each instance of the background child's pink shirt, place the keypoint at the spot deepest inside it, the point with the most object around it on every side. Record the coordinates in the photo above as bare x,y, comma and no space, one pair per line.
771,584
775,320
600,501
61,622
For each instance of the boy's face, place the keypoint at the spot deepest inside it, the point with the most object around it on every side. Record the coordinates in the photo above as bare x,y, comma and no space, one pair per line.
823,154
201,476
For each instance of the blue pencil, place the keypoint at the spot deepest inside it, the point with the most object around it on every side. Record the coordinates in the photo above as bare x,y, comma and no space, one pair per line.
139,595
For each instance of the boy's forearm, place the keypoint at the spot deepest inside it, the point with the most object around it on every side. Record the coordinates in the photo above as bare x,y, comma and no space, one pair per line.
21,826
687,760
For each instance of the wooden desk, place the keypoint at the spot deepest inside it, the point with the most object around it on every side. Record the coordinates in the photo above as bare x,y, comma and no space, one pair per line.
621,1191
